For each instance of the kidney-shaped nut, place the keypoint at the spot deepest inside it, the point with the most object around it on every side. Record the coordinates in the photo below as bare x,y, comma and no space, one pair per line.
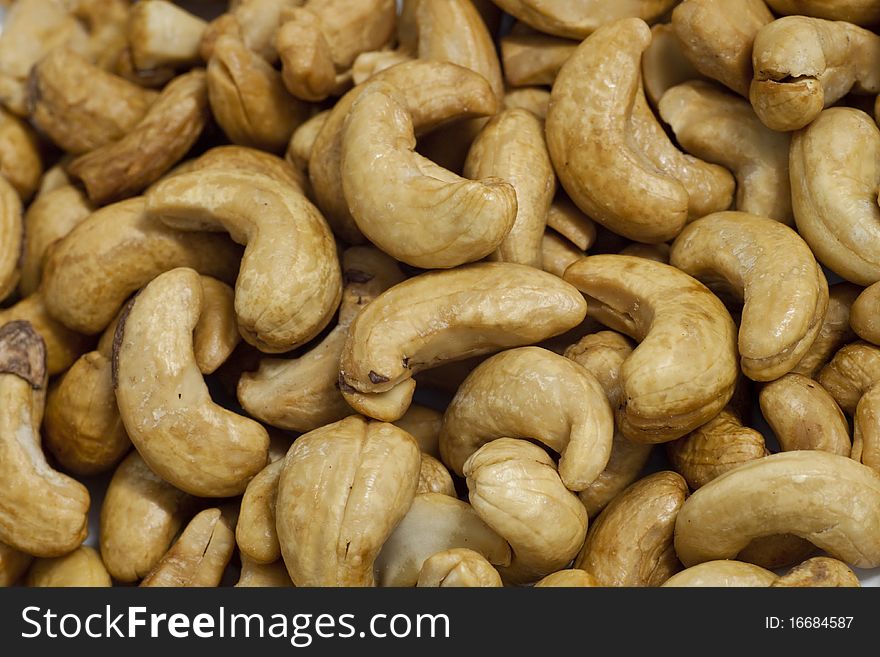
116,251
851,373
200,554
20,161
486,306
343,489
140,516
13,564
684,370
545,397
723,129
163,400
81,107
162,34
571,578
11,238
458,567
819,572
435,523
514,487
512,147
165,133
835,331
804,416
630,543
255,532
717,37
81,568
832,501
722,573
42,511
410,207
860,12
612,156
803,65
739,254
283,233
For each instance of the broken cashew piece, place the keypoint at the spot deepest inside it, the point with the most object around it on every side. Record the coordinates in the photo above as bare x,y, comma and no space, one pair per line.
458,567
81,568
722,573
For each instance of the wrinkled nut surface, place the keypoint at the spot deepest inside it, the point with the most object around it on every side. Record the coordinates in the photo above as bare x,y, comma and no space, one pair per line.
487,306
851,373
411,208
283,233
434,477
514,487
458,567
572,578
819,572
255,532
164,402
722,573
835,331
140,517
20,159
343,490
630,543
11,238
804,416
199,555
547,398
684,370
82,568
42,511
738,254
832,501
803,65
435,523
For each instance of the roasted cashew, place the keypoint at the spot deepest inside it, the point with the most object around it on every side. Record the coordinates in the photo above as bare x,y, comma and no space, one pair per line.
722,573
489,306
830,500
423,424
299,150
819,571
245,160
803,65
283,232
368,64
458,567
164,403
12,238
42,511
256,22
835,331
534,99
82,568
851,373
547,398
343,490
683,372
866,436
162,34
20,160
738,254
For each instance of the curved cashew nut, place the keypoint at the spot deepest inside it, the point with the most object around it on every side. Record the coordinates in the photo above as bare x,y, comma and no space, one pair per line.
803,65
835,331
246,160
82,568
453,92
42,512
20,161
435,523
11,238
819,571
343,490
738,253
459,567
723,129
411,208
514,487
684,371
612,156
140,516
512,147
830,500
722,573
255,532
164,403
88,275
630,543
546,397
572,578
864,314
162,34
860,12
487,306
851,373
282,232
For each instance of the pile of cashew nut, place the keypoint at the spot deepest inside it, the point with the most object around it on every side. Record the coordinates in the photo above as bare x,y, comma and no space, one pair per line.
452,293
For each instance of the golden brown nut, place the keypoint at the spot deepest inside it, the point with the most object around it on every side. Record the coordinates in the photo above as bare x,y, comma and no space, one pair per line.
656,252
254,21
165,133
832,501
162,34
804,416
866,429
268,575
106,21
738,254
82,568
664,64
255,532
343,490
489,306
514,487
851,373
20,161
722,573
88,276
717,36
11,238
819,572
140,516
434,477
248,99
835,331
299,150
557,253
547,398
630,543
42,511
13,564
367,64
458,567
803,65
512,147
860,12
723,129
573,578
199,555
81,107
687,343
534,99
566,219
533,59
246,160
864,315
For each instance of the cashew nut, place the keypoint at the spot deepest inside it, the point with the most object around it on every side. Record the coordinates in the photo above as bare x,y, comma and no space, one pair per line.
851,373
11,238
819,571
664,64
82,567
20,160
254,21
533,59
13,564
534,99
866,436
722,573
573,578
162,34
566,219
864,314
299,150
557,253
835,331
860,12
423,424
458,567
255,533
434,477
